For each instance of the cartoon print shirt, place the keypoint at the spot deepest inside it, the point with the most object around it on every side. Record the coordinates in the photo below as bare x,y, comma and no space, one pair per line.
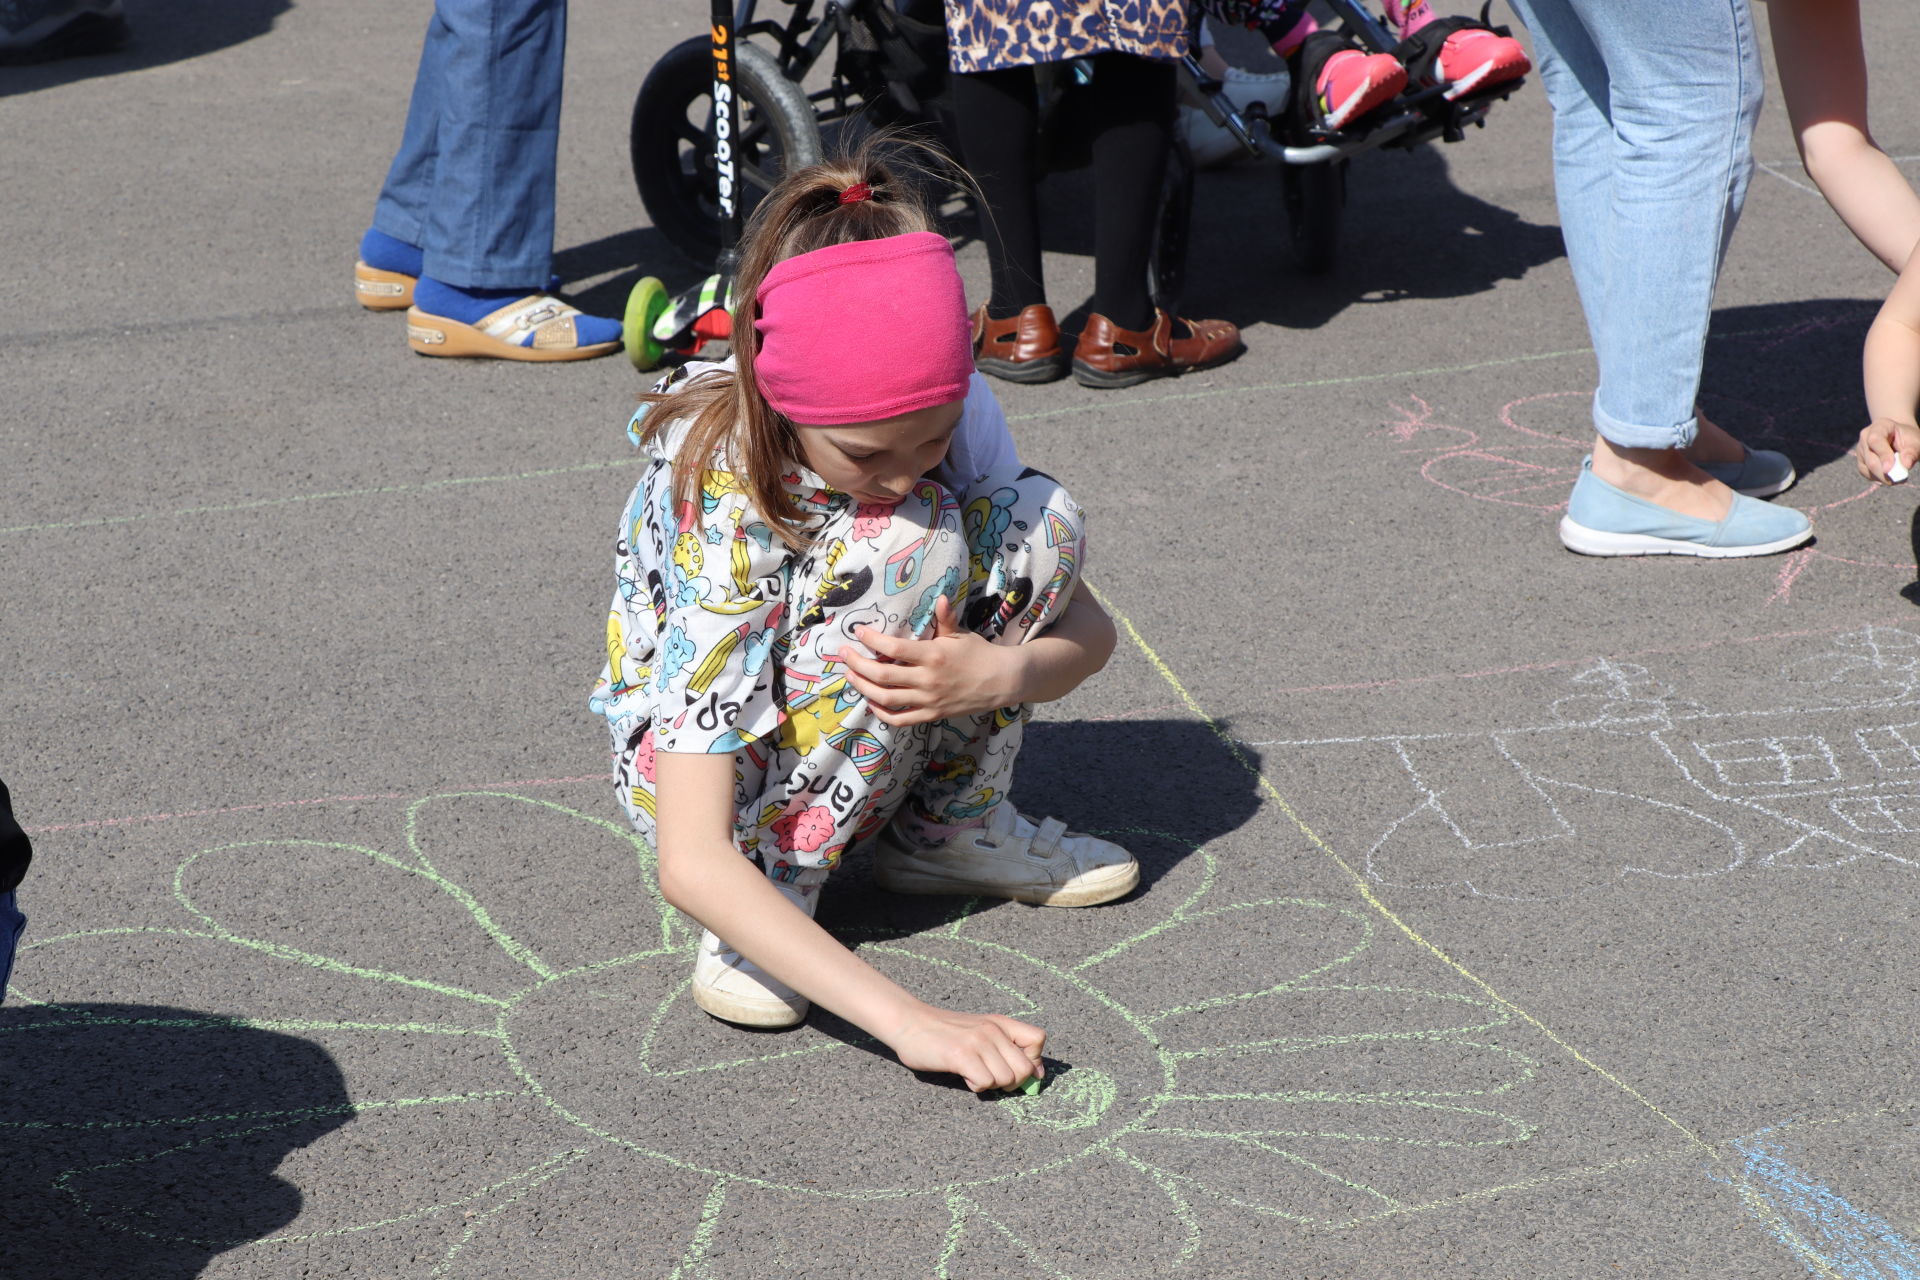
699,617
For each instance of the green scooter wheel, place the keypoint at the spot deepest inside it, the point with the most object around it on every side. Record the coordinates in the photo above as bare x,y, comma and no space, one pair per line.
644,305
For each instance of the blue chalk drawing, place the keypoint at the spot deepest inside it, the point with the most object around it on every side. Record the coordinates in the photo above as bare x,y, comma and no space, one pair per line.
1826,1233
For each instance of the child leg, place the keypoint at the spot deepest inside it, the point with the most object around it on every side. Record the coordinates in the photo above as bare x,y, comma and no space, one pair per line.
1026,542
831,772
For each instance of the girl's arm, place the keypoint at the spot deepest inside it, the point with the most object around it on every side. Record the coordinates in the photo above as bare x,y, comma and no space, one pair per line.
1892,368
1823,77
703,875
955,672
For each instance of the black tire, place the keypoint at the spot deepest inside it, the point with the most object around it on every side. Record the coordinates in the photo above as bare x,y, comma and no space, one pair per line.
1316,197
672,163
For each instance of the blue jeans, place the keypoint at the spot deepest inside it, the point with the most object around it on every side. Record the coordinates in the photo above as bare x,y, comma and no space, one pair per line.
12,925
1654,103
473,183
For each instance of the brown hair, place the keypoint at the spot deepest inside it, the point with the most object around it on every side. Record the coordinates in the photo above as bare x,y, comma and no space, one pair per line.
802,213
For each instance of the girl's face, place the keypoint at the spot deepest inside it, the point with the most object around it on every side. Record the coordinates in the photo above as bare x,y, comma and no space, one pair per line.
877,462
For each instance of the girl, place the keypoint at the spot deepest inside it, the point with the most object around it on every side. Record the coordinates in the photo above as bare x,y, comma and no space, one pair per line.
838,591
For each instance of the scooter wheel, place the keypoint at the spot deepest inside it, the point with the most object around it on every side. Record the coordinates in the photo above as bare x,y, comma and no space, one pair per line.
644,305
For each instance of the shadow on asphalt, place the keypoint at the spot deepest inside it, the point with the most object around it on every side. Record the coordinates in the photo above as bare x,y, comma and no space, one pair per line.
163,31
142,1141
629,255
1408,232
1162,788
1786,375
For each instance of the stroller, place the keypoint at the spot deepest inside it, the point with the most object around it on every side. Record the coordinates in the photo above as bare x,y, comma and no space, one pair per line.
721,116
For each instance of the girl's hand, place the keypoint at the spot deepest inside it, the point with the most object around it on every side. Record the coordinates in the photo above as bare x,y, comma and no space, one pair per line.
1885,444
986,1050
947,674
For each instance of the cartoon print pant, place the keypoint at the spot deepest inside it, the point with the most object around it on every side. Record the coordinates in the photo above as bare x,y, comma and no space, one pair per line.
1008,551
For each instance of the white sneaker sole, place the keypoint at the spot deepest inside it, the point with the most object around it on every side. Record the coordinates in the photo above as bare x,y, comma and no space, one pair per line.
1599,542
1087,890
748,1012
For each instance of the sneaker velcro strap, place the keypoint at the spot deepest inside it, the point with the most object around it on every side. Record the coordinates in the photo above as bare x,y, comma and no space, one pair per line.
1046,837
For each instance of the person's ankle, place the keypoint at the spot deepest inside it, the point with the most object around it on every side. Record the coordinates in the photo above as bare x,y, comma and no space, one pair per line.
1408,16
389,253
1664,477
1711,443
1296,35
928,833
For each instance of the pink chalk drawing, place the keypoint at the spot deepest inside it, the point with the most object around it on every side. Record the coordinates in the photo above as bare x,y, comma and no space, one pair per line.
803,828
1535,471
1534,463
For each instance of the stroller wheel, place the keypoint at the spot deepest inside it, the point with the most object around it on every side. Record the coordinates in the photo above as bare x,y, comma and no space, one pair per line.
670,141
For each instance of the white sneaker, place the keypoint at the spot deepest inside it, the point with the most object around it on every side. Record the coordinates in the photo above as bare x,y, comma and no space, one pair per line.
734,989
1010,857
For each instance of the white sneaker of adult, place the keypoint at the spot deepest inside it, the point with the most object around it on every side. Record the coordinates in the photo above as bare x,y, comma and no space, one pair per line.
734,989
1010,857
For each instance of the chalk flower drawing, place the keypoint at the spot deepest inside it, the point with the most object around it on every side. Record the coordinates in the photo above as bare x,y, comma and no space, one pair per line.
510,1008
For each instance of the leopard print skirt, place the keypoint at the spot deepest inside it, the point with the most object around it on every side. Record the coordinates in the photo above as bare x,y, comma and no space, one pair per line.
986,35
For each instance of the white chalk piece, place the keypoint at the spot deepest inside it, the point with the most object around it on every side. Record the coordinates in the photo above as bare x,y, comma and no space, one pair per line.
1897,473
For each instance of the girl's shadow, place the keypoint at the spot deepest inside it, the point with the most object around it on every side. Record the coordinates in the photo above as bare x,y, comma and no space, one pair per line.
1160,787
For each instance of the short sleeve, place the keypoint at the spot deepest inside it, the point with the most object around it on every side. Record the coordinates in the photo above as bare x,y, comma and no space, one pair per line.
724,585
981,443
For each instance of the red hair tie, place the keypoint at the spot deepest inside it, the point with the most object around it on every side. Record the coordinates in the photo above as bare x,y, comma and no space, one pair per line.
856,193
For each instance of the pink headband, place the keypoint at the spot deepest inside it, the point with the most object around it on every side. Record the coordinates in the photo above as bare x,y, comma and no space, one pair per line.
864,331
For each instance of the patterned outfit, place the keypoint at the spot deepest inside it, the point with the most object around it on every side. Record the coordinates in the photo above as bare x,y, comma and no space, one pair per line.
986,35
721,637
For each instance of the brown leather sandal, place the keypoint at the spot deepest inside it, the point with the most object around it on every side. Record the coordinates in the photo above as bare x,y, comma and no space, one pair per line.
1022,348
1108,356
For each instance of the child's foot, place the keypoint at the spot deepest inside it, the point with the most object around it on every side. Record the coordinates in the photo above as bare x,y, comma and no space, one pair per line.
1464,55
504,324
1346,83
1010,857
734,989
384,276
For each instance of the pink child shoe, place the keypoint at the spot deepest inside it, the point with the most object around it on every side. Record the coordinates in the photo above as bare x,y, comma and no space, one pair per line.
1347,84
1464,54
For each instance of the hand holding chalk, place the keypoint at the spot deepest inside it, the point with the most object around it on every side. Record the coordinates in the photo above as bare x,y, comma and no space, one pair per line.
1887,451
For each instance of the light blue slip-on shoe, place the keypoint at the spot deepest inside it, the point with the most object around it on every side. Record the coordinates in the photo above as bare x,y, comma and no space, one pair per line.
1604,521
1761,474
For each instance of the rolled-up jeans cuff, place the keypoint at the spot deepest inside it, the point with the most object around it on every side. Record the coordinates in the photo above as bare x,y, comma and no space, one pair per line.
1628,435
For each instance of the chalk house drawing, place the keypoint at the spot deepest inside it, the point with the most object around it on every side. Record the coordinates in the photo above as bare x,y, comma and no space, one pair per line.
1828,778
1270,1076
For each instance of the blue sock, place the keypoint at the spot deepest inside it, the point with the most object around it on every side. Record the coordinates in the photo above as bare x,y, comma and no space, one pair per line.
384,253
469,305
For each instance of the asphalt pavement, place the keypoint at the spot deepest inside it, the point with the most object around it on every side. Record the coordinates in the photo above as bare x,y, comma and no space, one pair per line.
1506,913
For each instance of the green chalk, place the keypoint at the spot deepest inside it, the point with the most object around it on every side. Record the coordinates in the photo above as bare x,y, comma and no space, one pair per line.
1031,1087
